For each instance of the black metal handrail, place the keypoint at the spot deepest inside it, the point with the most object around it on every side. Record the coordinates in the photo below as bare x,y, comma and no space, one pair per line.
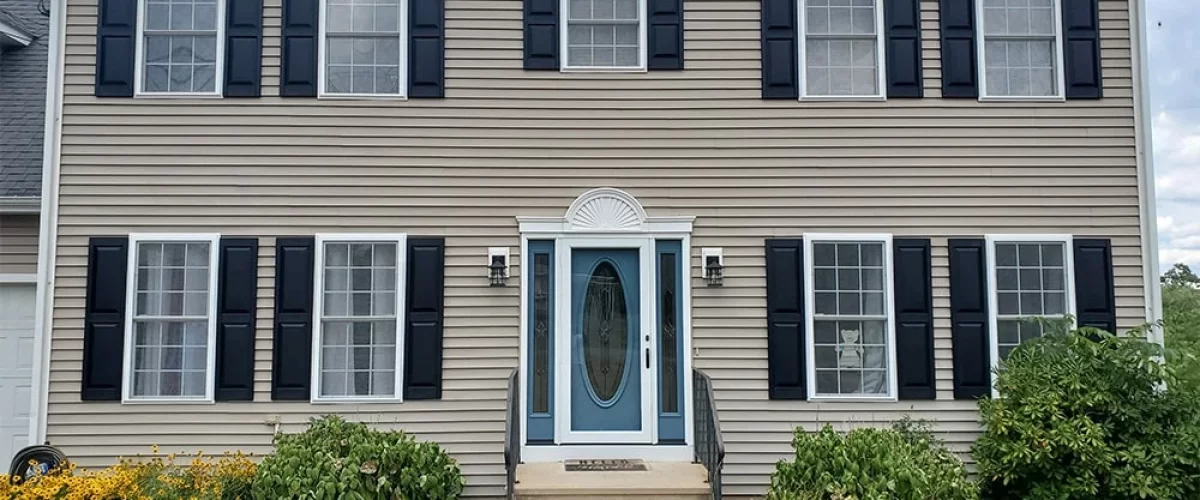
512,432
710,446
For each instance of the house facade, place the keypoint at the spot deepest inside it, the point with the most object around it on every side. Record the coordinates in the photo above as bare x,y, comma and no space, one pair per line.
23,52
837,210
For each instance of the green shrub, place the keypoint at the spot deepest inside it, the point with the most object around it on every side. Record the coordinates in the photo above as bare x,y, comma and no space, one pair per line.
1084,415
902,463
336,459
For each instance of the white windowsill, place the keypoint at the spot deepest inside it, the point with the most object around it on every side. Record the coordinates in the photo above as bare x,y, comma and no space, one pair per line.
177,95
603,69
164,401
852,399
363,97
821,98
355,401
1021,99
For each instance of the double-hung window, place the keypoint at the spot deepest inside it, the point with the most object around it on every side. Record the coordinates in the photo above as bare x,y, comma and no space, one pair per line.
841,49
1021,48
848,284
180,47
363,46
605,34
360,335
170,353
1031,282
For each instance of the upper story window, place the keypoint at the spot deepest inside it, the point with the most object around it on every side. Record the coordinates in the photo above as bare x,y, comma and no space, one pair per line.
605,34
181,43
1031,278
841,49
170,340
363,43
359,342
1021,44
851,319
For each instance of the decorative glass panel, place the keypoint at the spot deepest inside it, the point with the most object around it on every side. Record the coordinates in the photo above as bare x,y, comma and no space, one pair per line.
670,337
170,322
541,333
358,320
1030,284
605,332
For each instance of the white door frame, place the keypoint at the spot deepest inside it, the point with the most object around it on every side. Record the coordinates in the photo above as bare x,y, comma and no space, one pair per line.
606,218
647,340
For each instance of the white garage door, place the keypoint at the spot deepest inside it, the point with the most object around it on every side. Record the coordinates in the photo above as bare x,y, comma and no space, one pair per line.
16,367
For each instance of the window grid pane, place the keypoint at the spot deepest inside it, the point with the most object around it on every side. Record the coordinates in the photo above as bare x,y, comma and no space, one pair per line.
179,46
362,47
170,321
358,320
1020,48
850,318
603,33
840,56
1030,284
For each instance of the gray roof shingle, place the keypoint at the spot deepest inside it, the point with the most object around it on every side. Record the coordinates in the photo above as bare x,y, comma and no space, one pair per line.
23,102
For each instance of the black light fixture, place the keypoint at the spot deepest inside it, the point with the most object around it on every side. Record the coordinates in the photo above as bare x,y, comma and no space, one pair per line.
498,270
714,272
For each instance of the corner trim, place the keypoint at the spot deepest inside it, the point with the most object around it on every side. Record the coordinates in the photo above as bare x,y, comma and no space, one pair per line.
48,225
1145,163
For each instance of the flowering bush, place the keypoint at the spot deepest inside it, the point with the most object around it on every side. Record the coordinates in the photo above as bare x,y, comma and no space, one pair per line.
224,478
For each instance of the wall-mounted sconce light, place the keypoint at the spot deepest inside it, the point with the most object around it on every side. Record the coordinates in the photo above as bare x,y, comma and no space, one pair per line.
498,265
714,266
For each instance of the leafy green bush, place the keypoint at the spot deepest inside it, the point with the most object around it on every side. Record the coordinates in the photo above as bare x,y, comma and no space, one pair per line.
336,459
1084,415
902,463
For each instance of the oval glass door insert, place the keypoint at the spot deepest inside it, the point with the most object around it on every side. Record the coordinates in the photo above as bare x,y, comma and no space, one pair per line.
605,332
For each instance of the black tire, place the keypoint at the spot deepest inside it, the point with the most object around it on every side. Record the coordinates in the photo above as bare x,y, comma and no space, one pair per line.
45,459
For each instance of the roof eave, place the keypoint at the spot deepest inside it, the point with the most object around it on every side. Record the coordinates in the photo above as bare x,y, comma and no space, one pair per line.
20,205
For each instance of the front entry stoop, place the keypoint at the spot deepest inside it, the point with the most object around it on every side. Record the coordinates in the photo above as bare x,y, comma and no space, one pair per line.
660,480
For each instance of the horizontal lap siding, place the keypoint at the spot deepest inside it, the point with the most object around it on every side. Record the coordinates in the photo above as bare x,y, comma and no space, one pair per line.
507,142
18,244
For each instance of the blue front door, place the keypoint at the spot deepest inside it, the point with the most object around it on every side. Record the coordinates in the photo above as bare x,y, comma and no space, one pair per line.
606,370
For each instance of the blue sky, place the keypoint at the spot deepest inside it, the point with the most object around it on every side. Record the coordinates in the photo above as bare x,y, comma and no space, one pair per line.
1174,37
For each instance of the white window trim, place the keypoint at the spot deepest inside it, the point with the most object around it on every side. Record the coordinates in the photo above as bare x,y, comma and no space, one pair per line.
401,241
809,314
214,241
140,63
993,316
802,55
404,60
981,61
643,49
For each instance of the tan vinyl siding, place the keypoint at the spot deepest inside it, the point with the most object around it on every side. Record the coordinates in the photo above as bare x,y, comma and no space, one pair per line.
506,142
18,244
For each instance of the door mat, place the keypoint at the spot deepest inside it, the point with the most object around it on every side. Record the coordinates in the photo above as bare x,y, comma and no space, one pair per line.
623,465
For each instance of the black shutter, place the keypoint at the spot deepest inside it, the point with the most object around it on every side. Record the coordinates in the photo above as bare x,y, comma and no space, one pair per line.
292,358
541,34
902,20
1095,301
298,72
779,59
914,318
237,299
969,319
104,319
115,32
666,35
243,48
1081,49
427,48
958,48
785,319
426,298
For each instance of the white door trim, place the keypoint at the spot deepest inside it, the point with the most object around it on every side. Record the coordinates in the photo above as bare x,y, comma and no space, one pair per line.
606,213
647,339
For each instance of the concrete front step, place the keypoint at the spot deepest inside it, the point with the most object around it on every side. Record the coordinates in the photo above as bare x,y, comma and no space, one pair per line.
661,480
